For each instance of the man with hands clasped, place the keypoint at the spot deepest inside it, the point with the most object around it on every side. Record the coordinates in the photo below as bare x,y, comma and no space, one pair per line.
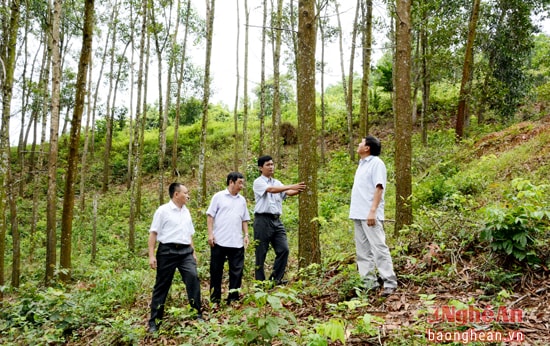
227,222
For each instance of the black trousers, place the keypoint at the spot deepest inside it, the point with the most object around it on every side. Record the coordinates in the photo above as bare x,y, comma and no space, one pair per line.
235,259
169,258
269,230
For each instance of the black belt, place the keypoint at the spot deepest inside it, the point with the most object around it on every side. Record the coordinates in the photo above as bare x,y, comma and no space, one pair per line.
175,245
271,216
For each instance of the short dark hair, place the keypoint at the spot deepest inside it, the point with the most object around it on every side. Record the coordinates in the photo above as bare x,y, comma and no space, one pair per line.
234,176
263,159
173,188
374,144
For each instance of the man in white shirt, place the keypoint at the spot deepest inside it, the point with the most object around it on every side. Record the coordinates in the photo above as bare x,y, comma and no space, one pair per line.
367,213
227,222
268,228
173,228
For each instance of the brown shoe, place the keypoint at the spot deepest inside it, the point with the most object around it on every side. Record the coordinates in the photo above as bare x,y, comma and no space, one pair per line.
388,291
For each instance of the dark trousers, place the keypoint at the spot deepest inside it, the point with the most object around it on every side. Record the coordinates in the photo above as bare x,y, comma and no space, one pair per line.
270,230
170,258
235,259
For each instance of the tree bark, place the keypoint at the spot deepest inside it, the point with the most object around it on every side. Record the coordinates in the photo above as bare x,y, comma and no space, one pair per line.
261,146
309,248
51,227
465,85
7,189
236,103
403,119
109,111
175,171
68,198
276,120
367,53
202,156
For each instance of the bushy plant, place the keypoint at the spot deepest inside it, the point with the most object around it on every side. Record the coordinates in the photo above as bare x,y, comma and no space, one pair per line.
516,227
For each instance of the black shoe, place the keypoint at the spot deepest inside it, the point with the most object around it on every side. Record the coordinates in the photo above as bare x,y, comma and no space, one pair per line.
282,282
153,328
199,318
388,291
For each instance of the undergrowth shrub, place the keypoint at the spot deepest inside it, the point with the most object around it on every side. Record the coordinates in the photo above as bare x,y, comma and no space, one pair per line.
518,227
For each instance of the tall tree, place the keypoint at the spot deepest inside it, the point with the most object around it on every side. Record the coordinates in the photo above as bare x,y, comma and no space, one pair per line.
210,7
245,86
309,247
175,170
276,115
137,143
465,85
112,32
236,104
366,32
403,118
74,143
262,115
160,39
51,209
7,189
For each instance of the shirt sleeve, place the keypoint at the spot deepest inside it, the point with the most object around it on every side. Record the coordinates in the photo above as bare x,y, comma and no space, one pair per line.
213,207
157,220
379,174
260,186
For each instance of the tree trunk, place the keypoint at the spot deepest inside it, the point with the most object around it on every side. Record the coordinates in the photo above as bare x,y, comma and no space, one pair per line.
425,84
309,247
245,90
236,104
322,96
202,156
403,120
7,189
465,85
159,48
367,53
348,94
109,110
261,146
175,171
51,227
276,120
72,160
134,181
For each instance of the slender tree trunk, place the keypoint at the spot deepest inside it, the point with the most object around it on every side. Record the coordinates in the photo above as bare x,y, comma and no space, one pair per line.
159,48
351,145
175,170
51,227
84,162
322,96
309,246
171,63
7,189
109,110
245,90
349,99
367,53
134,186
68,198
425,84
465,85
276,120
403,120
261,147
202,156
236,104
